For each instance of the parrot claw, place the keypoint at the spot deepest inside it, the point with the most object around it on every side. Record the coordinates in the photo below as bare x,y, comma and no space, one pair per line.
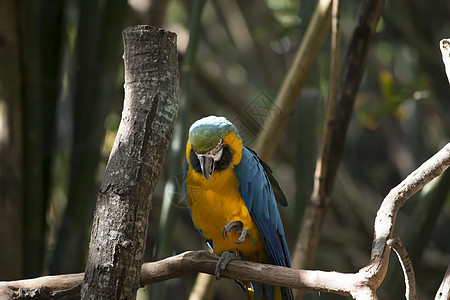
238,226
242,237
224,260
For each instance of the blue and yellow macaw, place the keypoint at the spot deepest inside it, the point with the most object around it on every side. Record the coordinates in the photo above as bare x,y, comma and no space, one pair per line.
232,196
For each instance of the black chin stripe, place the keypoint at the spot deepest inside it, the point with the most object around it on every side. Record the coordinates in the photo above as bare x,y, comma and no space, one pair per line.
195,163
221,165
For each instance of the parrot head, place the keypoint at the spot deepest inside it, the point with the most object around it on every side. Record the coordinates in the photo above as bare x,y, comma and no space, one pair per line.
210,142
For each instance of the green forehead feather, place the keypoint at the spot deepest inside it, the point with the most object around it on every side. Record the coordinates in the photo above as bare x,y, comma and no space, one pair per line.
205,133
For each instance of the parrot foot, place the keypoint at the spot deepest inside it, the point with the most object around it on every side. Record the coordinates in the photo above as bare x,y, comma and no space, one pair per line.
224,260
238,226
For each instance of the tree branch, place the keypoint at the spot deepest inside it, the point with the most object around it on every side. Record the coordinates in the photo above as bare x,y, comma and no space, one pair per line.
445,50
408,270
321,173
46,287
444,289
443,292
186,263
360,285
385,219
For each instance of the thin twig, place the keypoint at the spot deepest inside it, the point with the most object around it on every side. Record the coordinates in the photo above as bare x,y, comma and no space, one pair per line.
408,270
319,192
444,289
443,292
386,215
320,195
445,50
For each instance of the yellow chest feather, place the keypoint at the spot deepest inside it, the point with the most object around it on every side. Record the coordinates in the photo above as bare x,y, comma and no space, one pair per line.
216,202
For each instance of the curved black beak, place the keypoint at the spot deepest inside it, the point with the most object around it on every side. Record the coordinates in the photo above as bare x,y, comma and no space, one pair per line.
207,164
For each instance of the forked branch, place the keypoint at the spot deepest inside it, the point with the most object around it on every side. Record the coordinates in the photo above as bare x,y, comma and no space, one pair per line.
408,270
360,285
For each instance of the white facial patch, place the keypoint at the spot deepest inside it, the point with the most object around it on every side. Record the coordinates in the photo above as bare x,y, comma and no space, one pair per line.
215,153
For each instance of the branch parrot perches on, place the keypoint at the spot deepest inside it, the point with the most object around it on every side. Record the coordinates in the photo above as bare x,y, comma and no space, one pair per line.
232,197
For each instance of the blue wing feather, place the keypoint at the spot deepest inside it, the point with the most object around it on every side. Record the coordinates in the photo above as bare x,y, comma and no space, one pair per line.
256,191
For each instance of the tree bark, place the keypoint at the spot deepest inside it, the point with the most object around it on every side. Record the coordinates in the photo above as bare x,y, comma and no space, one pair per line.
124,200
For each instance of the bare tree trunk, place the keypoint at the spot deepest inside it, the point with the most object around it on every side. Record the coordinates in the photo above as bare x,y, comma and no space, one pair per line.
124,200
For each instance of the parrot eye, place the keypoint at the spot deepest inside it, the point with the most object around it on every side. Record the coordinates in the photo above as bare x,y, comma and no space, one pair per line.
215,153
218,147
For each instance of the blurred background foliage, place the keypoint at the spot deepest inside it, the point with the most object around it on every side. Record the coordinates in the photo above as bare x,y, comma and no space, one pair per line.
61,78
